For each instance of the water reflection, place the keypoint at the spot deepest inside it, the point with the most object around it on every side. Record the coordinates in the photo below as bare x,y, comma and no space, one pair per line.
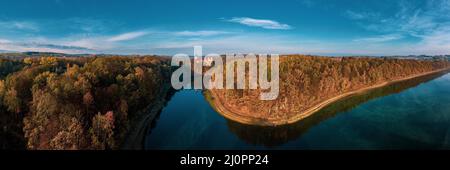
170,93
275,136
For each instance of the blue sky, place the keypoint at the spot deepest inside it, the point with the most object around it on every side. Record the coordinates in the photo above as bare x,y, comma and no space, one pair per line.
323,27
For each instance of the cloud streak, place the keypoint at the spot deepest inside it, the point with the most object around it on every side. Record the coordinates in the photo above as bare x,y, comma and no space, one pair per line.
128,36
381,38
4,41
361,15
120,43
201,33
428,25
41,47
262,23
19,25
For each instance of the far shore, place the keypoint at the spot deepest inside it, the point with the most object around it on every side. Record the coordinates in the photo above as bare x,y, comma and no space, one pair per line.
227,113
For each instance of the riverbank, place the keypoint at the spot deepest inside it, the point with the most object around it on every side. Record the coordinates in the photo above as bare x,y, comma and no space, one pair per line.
143,120
226,112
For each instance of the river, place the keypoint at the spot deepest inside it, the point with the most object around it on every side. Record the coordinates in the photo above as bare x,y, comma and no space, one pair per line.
413,114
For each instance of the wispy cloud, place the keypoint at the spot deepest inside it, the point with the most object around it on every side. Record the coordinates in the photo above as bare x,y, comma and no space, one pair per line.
426,23
201,33
94,43
128,36
69,44
354,15
5,41
88,24
20,25
263,23
361,15
41,47
435,42
381,38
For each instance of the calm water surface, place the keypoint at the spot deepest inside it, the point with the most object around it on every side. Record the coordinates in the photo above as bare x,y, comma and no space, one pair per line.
409,115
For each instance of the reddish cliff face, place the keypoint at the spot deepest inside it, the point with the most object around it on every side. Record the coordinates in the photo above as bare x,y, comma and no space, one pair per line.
308,83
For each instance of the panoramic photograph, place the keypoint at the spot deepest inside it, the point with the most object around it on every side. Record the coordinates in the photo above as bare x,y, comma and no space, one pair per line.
224,75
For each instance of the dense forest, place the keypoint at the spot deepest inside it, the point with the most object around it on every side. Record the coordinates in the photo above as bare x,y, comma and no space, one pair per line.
306,81
75,103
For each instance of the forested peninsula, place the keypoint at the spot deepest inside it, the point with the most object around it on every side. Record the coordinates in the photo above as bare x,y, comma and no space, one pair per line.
309,83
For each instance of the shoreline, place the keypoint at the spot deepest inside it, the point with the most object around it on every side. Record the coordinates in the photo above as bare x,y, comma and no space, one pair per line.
225,112
139,125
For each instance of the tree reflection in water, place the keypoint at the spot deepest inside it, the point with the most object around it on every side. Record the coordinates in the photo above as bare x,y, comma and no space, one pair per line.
278,135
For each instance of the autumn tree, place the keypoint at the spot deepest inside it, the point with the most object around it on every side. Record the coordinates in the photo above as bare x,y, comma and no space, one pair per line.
101,131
